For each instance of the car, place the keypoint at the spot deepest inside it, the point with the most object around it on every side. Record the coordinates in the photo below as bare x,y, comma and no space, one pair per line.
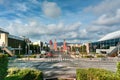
49,54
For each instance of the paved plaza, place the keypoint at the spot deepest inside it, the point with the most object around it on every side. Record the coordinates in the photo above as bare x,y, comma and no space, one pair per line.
64,65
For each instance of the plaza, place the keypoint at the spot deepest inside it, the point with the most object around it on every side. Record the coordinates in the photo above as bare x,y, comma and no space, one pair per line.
65,66
64,62
59,40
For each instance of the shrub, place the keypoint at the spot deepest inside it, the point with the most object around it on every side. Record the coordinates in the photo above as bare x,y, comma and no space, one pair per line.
100,56
3,66
81,74
23,56
118,69
20,56
24,74
32,56
101,74
88,56
95,74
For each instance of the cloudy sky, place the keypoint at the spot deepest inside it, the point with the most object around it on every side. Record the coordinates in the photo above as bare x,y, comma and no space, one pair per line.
73,20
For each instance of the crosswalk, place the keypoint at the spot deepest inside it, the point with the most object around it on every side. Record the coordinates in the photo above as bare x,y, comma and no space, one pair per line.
60,57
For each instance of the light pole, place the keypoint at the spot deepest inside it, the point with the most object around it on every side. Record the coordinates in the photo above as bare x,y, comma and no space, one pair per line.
19,48
118,48
26,48
95,46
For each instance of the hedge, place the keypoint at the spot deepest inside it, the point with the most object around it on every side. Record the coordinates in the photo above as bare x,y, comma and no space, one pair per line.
24,74
100,56
95,74
118,69
88,56
28,56
3,65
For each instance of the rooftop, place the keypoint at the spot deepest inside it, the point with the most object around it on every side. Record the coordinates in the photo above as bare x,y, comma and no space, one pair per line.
112,35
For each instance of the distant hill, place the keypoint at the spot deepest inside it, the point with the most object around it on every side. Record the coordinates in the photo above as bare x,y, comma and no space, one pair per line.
61,43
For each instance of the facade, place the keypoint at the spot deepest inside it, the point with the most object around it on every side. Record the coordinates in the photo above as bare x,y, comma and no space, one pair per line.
11,43
87,47
3,39
71,45
108,44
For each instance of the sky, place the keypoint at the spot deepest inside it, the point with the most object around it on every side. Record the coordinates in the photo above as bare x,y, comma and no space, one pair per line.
76,21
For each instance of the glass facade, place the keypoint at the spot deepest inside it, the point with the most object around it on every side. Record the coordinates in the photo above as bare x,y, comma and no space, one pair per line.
106,44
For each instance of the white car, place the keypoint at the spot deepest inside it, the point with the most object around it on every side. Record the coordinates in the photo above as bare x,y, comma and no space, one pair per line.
43,52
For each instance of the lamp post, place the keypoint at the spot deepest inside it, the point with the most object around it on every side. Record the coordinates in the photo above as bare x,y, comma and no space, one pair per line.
26,48
118,48
95,46
19,48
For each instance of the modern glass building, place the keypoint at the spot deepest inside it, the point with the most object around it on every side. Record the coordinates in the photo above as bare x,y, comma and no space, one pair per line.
108,44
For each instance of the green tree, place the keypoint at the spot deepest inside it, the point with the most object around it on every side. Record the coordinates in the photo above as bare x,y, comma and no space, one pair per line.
73,48
83,50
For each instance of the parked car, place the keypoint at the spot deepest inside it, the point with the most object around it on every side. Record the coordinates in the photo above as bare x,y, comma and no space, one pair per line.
49,54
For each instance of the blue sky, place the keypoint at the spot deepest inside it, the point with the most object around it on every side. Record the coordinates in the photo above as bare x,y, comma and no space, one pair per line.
74,20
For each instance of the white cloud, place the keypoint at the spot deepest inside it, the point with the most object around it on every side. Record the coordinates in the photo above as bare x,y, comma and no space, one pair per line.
51,9
21,7
69,35
106,23
83,32
74,41
36,30
106,6
74,26
109,20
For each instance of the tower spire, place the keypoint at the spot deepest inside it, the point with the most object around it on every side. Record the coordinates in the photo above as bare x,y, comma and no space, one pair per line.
55,45
64,45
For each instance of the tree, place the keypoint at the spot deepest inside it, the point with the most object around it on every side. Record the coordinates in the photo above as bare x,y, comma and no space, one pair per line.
83,50
46,48
73,48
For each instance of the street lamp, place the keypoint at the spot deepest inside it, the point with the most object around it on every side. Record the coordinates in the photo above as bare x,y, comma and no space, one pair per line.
118,48
19,48
26,48
95,46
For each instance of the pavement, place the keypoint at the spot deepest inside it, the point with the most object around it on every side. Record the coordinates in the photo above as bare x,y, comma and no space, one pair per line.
64,65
